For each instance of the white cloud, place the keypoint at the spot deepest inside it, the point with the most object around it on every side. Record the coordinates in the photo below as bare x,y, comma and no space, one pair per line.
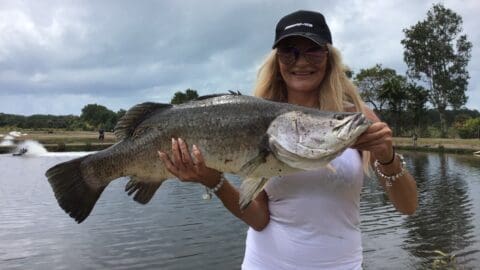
117,53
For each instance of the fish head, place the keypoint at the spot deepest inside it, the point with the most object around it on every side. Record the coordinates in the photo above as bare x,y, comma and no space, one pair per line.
308,140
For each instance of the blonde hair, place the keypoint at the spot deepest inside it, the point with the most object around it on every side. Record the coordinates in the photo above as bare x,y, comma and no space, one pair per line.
336,91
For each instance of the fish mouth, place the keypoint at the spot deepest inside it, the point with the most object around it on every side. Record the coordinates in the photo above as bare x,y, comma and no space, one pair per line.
360,119
352,126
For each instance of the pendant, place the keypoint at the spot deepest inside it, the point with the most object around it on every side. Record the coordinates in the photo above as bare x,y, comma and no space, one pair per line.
207,196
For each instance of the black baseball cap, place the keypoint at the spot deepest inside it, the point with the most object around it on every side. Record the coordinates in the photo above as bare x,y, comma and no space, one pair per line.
308,24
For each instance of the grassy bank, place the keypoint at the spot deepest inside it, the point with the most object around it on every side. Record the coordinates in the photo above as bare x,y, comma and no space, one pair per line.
67,137
88,141
65,141
459,146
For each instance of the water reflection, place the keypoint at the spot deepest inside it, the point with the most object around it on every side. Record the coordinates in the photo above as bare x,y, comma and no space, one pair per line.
444,219
177,230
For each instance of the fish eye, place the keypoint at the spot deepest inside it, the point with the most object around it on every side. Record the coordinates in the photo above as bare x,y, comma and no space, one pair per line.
339,116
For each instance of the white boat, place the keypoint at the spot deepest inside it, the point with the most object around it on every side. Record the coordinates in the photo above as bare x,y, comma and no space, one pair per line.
476,153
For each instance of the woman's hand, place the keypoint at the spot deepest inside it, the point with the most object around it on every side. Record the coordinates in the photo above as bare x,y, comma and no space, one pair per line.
188,168
377,139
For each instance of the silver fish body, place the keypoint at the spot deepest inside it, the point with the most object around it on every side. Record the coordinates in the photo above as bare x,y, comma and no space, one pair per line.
243,135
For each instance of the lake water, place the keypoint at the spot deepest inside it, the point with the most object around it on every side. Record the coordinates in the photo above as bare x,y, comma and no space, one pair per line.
178,230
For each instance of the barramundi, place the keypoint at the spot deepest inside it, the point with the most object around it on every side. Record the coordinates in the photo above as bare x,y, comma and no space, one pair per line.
251,137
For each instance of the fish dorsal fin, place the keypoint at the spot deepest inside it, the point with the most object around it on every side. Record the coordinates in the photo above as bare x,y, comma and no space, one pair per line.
235,93
230,93
133,117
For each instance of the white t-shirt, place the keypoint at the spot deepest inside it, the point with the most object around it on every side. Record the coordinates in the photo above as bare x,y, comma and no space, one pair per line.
314,220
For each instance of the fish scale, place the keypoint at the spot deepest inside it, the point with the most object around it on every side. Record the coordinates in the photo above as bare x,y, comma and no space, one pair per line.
251,137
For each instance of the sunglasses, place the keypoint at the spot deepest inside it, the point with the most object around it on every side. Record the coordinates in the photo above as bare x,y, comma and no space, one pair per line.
288,55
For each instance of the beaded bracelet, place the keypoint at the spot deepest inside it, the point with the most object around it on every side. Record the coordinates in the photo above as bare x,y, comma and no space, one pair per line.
210,191
391,160
391,178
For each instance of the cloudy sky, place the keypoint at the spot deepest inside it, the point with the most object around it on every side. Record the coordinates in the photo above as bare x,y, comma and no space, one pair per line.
57,56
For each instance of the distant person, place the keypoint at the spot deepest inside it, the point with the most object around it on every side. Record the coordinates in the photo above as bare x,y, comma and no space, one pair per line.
414,138
101,134
307,220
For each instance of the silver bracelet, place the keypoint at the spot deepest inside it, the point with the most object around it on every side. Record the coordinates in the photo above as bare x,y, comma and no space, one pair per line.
391,178
210,191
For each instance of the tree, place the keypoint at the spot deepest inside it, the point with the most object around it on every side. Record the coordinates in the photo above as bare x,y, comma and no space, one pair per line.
417,97
121,113
99,116
370,83
180,97
437,55
394,94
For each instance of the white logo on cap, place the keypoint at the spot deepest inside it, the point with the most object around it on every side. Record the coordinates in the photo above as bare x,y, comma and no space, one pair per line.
298,24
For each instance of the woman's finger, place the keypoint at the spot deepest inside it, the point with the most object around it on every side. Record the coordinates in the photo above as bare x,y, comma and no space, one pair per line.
177,155
374,134
168,163
379,137
199,162
370,146
186,158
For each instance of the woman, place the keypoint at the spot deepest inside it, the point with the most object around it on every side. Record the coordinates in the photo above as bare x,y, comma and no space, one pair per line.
308,220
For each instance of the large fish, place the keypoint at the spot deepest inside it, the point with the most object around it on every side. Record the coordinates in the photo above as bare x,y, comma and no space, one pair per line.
243,135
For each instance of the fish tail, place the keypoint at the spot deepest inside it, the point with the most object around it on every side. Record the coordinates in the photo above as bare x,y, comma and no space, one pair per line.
76,197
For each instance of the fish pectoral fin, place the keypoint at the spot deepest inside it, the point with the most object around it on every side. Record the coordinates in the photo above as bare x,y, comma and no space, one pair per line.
331,168
251,165
261,158
249,189
144,190
134,116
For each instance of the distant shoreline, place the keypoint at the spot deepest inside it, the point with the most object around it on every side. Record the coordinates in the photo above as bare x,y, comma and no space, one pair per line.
456,146
72,141
64,141
437,149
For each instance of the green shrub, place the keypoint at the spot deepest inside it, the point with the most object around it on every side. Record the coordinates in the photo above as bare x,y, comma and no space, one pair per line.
470,129
61,147
452,132
88,146
432,132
